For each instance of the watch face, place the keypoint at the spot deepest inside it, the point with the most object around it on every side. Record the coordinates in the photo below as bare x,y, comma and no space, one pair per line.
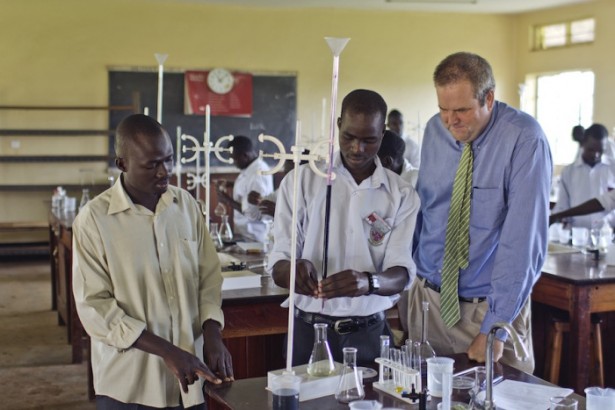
220,80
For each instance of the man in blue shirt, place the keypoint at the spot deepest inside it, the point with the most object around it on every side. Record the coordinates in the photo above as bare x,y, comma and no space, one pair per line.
509,207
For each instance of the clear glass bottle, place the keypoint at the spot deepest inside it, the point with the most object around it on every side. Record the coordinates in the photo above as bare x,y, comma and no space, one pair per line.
426,349
226,234
214,233
350,386
321,361
220,210
85,197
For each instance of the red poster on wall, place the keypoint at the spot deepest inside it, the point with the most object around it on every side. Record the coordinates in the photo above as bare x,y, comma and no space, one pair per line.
236,102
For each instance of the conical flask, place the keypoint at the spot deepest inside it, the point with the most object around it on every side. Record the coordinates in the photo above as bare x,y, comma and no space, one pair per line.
214,233
350,386
226,234
426,349
220,210
321,362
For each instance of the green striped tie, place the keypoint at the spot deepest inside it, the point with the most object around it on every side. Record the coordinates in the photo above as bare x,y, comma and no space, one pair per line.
457,243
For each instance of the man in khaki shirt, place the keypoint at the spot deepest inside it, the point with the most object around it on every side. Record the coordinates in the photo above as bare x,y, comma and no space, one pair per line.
147,282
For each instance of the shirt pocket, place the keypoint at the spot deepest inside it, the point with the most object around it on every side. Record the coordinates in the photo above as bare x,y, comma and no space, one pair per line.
189,258
487,208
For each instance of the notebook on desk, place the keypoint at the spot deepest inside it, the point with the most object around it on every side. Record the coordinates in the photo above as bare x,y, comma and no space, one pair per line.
240,279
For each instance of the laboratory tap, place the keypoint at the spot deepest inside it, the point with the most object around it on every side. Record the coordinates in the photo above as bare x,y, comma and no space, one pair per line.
520,352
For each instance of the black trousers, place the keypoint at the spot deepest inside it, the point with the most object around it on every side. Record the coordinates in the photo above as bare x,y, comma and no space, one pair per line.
367,342
107,403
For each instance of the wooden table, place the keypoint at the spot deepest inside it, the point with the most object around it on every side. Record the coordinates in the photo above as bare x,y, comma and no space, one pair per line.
576,283
249,394
61,251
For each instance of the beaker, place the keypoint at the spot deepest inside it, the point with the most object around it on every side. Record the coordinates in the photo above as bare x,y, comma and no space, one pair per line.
321,361
220,210
214,234
226,234
350,386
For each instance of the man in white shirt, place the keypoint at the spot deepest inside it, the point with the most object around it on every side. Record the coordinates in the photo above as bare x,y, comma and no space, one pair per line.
587,177
372,214
247,217
391,154
147,282
395,122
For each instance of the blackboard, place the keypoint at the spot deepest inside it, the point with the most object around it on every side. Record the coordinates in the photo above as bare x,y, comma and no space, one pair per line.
274,108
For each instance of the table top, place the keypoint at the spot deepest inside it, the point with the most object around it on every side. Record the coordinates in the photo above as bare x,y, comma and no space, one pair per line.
251,393
578,268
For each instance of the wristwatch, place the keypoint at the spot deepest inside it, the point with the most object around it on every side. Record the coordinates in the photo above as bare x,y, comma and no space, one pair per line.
374,283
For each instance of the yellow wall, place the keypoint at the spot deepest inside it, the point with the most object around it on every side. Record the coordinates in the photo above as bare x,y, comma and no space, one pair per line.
57,52
598,56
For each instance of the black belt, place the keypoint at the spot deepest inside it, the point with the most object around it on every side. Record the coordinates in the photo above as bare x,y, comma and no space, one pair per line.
341,325
435,287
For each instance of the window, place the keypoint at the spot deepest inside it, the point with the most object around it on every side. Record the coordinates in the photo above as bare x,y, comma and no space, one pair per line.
560,101
564,34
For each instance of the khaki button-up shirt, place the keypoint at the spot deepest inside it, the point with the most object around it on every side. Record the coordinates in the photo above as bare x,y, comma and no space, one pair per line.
134,269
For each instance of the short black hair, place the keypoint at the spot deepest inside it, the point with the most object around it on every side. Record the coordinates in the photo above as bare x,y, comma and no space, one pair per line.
132,126
241,144
365,102
596,131
392,145
395,113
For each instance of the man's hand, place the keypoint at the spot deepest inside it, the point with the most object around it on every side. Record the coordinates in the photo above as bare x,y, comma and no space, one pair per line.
184,365
478,349
187,368
345,283
215,352
267,207
306,282
254,198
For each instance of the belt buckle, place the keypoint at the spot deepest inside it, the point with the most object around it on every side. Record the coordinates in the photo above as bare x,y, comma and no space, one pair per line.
344,326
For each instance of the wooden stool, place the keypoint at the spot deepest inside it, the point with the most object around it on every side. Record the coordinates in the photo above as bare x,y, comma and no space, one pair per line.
553,358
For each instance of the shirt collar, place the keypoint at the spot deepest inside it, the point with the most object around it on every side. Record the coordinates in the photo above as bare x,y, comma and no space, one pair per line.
120,200
377,178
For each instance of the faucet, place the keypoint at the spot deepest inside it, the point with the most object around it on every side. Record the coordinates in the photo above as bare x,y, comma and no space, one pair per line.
520,352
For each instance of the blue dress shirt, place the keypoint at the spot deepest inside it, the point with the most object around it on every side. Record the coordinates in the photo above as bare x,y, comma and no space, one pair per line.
509,214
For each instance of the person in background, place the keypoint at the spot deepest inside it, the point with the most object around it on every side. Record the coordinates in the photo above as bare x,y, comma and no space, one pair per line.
486,170
267,204
369,262
395,123
587,177
391,154
247,217
147,282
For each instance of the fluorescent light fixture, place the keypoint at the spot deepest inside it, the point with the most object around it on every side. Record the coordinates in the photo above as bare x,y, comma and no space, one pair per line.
434,1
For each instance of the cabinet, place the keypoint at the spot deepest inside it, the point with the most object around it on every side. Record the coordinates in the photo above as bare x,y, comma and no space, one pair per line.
42,147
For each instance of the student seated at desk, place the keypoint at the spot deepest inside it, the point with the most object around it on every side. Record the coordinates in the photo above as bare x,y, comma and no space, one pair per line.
373,212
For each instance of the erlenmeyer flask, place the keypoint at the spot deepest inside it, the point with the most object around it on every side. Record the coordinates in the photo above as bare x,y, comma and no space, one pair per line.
350,386
214,233
220,210
321,362
426,349
226,234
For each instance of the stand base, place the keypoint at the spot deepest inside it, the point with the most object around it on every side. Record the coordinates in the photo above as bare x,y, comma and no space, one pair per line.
311,387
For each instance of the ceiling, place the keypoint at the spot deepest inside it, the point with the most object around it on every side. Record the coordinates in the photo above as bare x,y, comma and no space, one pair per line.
461,6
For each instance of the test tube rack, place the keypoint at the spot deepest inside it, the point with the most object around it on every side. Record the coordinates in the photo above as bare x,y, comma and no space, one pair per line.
396,378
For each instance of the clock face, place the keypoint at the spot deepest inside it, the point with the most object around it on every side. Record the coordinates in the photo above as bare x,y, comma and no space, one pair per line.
220,80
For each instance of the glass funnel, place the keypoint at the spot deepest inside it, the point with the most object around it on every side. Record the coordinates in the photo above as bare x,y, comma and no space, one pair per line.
321,361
